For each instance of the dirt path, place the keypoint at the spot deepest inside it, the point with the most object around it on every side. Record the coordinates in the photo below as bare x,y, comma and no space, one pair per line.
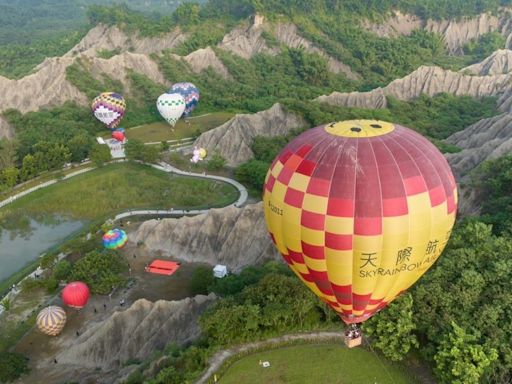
220,357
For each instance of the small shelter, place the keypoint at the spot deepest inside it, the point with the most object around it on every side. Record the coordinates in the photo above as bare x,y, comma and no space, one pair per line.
220,271
163,267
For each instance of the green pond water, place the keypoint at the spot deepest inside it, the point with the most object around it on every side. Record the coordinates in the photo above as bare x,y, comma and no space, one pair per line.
26,238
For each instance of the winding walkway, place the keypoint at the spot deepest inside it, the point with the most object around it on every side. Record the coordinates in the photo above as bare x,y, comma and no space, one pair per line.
220,357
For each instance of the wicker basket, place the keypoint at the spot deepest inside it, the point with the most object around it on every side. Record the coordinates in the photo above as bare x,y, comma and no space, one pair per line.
353,342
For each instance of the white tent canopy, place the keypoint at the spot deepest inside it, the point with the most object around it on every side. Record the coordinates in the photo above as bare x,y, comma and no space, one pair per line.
220,271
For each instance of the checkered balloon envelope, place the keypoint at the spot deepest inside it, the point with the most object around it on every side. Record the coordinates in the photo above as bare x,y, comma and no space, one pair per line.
359,210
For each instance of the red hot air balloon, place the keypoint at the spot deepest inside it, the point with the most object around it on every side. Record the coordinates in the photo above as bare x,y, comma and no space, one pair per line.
118,135
75,294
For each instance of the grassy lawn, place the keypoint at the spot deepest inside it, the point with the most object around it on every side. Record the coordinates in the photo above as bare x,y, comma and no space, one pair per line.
326,363
117,187
162,131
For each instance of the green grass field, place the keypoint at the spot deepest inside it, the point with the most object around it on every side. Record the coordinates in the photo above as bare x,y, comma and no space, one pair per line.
325,363
117,187
162,131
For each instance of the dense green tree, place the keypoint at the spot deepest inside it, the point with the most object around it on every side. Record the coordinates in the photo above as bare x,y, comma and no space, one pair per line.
29,167
493,181
12,366
215,161
460,360
187,14
79,146
62,270
101,271
133,149
100,154
485,45
266,148
10,176
253,173
392,329
50,156
201,279
136,150
8,150
231,323
469,285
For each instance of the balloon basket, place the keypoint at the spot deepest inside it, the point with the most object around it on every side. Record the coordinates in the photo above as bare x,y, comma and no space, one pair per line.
351,343
353,336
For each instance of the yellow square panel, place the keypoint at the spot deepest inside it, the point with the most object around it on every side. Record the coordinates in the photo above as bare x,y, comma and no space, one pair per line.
291,215
313,237
396,225
299,182
278,167
317,265
368,244
339,225
316,204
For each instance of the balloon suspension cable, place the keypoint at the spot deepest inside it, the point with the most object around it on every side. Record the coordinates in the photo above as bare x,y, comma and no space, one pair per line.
367,341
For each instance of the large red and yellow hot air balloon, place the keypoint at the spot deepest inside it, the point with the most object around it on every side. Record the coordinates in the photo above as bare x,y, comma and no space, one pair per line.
75,295
359,210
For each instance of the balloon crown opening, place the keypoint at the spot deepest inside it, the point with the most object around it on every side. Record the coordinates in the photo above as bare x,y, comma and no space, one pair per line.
359,128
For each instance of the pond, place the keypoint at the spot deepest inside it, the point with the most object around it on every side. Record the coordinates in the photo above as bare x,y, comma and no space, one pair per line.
23,240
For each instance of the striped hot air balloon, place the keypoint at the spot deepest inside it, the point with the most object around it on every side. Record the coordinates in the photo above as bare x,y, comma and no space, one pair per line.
114,239
75,294
360,210
51,320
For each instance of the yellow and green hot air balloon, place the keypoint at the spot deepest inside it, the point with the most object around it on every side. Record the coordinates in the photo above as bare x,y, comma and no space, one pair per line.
359,210
51,320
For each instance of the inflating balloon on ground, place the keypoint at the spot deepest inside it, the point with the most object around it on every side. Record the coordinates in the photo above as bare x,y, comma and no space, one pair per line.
198,154
114,239
75,295
51,320
118,135
109,108
359,210
171,107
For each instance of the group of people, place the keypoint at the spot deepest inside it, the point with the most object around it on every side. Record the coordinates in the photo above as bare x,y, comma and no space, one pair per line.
352,332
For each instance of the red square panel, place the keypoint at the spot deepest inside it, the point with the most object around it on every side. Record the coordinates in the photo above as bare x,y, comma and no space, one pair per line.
340,207
304,150
285,175
270,183
306,167
360,301
297,257
338,242
319,187
312,220
414,185
294,197
437,195
395,207
368,226
313,251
